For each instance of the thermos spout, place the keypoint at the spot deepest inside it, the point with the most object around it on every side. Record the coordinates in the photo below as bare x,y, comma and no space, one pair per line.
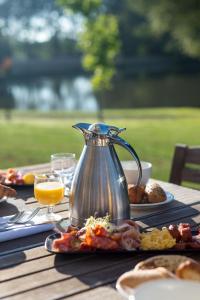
83,127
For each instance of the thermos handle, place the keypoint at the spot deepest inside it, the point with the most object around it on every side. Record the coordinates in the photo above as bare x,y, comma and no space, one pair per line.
119,141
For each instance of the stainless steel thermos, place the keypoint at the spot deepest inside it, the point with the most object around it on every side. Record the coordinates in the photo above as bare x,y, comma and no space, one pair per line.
99,186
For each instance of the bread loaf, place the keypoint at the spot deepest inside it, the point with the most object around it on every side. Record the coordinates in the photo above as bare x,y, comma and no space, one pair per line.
189,270
136,194
170,262
155,193
133,278
6,191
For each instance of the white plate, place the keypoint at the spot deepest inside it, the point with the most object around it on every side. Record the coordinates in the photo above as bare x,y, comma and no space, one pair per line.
165,289
170,198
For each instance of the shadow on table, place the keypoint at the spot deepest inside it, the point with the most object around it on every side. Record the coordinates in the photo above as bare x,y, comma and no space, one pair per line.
92,270
25,192
17,259
174,213
7,207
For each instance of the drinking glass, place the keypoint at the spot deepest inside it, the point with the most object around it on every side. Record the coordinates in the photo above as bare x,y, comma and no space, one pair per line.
49,191
64,164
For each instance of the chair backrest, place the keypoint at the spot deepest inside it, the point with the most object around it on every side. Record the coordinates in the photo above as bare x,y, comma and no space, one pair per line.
183,168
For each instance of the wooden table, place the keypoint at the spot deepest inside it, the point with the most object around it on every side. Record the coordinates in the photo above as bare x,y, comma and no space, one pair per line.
28,271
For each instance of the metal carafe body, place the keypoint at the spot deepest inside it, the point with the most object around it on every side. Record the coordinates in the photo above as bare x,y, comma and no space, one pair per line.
99,186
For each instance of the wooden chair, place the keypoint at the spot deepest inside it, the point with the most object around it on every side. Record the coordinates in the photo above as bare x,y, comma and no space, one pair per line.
183,168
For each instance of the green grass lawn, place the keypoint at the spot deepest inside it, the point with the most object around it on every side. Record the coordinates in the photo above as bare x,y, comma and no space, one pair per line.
31,137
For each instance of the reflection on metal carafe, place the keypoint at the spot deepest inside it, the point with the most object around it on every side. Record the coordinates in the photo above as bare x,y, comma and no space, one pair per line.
99,186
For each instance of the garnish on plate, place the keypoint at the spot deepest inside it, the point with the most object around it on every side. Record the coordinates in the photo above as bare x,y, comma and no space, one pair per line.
103,222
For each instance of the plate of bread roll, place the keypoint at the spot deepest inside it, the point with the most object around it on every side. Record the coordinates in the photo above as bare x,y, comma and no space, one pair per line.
148,196
174,267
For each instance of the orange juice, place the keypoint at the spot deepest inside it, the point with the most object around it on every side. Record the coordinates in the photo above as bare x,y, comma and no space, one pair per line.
49,193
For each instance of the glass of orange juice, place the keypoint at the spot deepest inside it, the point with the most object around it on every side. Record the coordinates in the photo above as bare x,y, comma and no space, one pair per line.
49,191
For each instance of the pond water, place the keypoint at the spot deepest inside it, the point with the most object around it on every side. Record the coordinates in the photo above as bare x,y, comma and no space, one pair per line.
47,94
75,93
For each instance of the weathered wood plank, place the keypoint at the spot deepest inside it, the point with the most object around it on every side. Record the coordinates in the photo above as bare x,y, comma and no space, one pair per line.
178,163
39,168
55,276
193,155
7,261
192,175
23,243
139,214
44,263
104,292
171,216
63,206
69,286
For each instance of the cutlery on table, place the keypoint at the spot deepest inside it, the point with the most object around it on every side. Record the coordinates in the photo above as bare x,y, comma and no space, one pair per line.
22,218
16,217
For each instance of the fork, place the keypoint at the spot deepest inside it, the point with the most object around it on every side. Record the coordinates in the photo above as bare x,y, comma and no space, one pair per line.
20,219
14,218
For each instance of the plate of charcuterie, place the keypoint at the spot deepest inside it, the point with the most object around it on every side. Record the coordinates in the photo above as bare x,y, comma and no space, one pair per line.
16,178
99,235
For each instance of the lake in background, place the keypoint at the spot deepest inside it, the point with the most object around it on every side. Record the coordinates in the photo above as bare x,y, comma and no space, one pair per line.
64,93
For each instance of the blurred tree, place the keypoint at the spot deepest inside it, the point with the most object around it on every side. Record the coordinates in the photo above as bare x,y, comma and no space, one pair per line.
179,18
36,28
100,49
135,35
6,98
88,8
99,41
24,10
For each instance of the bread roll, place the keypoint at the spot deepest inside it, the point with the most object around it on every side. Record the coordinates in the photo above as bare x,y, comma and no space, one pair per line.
170,262
136,194
189,270
133,278
155,193
7,191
